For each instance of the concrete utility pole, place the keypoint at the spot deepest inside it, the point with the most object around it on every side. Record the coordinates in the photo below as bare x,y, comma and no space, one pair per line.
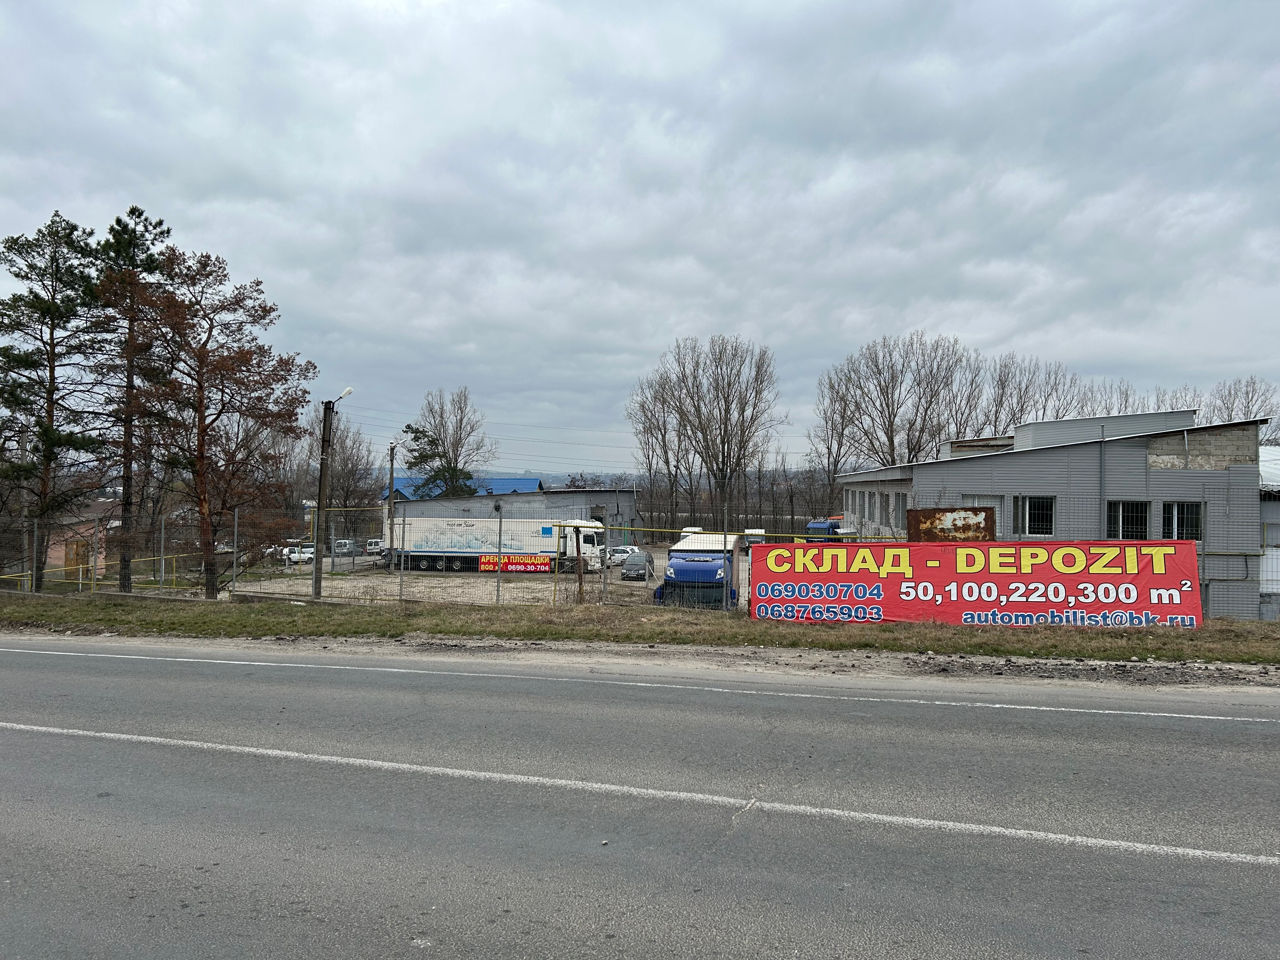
390,539
322,497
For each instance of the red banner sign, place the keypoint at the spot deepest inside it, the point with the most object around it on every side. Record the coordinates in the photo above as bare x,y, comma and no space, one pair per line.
515,563
1086,584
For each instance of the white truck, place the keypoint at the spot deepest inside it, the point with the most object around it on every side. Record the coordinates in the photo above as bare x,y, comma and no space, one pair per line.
466,544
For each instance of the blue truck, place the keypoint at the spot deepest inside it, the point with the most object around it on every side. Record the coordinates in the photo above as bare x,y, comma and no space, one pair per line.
820,531
700,567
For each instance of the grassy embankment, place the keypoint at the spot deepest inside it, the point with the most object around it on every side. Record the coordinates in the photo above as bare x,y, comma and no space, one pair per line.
1217,640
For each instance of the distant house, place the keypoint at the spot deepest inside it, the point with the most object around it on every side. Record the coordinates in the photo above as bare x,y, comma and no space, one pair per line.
1147,476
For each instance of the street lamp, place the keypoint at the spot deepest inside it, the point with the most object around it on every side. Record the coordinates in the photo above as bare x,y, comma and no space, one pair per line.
322,497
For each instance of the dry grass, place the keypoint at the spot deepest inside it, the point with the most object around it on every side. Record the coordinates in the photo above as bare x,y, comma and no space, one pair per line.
1218,640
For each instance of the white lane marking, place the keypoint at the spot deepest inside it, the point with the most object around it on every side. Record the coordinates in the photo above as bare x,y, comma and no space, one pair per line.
739,804
650,684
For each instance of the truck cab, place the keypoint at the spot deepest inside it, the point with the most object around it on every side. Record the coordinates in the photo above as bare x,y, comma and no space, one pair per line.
820,531
699,571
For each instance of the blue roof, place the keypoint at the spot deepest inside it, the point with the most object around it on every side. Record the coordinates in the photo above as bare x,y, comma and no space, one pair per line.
485,486
498,485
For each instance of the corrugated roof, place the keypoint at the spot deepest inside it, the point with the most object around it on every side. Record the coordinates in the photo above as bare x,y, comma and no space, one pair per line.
485,486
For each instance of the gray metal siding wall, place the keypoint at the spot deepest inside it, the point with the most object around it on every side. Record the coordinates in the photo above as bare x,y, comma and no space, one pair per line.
1070,474
1229,556
1230,561
874,527
1029,436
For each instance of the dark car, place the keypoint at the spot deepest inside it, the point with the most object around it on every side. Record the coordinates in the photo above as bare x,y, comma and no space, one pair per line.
638,566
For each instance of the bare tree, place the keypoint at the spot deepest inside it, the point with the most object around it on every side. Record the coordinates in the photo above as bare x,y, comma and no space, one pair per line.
1112,397
665,454
354,479
1012,384
898,392
724,396
448,443
1244,398
831,450
1059,394
1185,397
963,405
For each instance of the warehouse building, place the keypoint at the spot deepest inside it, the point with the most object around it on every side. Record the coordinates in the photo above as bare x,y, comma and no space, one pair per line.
1146,476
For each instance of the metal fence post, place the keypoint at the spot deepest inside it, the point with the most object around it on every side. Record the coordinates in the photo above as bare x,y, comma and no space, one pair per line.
235,545
400,559
497,508
604,563
577,540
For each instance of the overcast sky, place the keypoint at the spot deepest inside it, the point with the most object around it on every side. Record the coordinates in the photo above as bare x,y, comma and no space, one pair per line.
536,199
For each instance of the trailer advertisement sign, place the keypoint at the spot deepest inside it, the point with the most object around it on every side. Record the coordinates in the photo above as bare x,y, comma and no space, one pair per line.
515,563
1110,583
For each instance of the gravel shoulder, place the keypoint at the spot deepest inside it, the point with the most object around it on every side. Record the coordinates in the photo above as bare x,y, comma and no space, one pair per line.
870,664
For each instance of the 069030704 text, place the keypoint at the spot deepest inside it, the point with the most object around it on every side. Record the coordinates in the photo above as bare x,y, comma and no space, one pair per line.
818,591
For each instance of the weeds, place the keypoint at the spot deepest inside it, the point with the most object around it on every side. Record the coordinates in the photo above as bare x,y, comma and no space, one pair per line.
1235,641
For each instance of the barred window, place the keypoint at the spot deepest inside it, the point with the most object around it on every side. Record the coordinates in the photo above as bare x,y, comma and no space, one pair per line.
1127,519
1033,516
1182,521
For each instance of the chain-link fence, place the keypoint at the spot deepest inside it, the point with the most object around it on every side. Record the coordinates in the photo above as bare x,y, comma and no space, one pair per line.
82,555
471,553
481,556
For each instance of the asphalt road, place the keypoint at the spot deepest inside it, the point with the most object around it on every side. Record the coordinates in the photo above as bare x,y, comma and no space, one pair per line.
253,803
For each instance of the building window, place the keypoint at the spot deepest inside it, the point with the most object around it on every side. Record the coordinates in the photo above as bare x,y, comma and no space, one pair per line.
900,511
1033,516
1182,521
1127,519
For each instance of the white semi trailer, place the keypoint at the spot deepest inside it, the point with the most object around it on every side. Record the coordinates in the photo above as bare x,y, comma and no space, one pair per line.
467,544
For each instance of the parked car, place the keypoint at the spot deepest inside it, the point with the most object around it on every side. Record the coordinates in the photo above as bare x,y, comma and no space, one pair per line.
344,548
306,553
373,548
619,554
638,566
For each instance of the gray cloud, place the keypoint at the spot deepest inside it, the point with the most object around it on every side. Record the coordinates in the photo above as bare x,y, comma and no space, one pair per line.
537,199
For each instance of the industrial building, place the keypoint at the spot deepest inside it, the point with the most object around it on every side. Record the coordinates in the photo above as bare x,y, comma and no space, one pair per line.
1146,476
